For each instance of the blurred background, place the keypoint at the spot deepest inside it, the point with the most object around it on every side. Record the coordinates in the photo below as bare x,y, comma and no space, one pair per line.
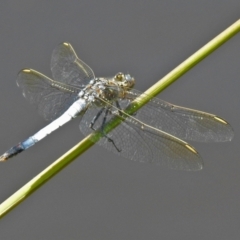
100,195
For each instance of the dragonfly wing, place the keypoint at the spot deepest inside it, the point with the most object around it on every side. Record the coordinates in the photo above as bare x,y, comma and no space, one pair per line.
50,97
143,143
183,122
68,68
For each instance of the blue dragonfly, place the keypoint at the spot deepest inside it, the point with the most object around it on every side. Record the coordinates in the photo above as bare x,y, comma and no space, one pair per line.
153,134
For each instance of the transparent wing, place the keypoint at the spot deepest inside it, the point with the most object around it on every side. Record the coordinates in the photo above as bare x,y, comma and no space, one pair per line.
142,143
51,98
183,122
68,68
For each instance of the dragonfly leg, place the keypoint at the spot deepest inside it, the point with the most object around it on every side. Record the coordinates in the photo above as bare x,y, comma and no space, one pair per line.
95,119
104,134
119,107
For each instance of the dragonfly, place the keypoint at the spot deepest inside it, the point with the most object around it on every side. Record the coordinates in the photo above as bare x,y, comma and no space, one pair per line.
155,133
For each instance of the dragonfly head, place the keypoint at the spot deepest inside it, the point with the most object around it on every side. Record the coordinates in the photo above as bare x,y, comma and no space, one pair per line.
124,80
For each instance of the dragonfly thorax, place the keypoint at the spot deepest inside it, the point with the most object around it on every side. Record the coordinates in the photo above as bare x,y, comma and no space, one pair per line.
107,89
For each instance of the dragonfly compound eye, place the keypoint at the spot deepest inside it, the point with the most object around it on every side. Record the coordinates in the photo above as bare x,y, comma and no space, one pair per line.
119,77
